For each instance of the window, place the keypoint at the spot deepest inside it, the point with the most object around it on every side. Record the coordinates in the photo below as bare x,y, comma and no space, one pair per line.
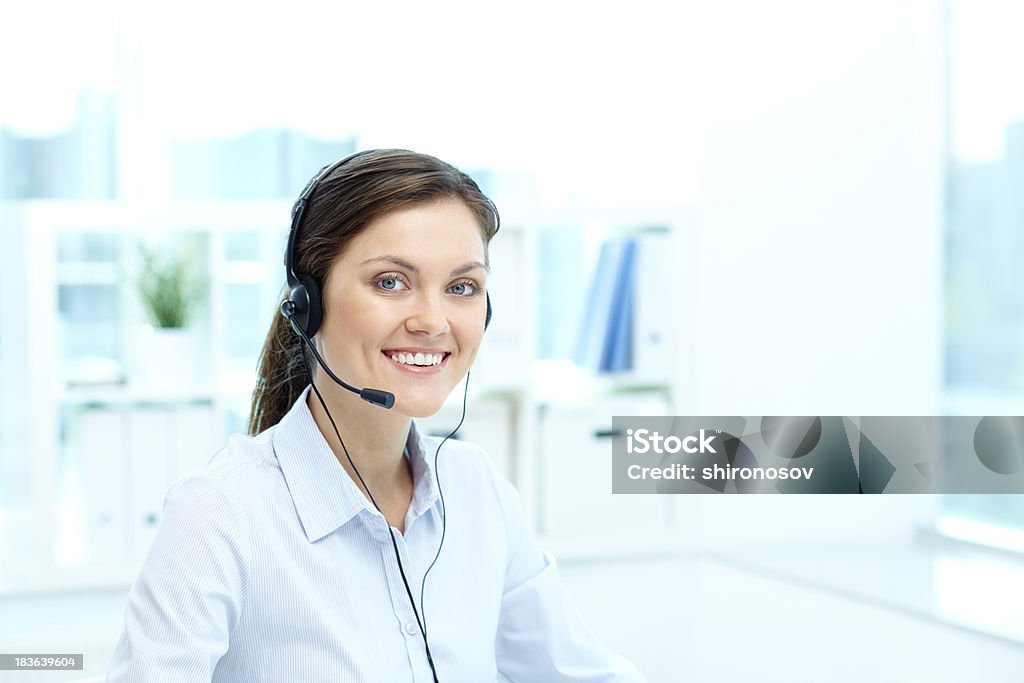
985,244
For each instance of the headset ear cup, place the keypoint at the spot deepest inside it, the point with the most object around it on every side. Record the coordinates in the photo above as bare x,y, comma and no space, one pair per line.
315,311
487,320
299,300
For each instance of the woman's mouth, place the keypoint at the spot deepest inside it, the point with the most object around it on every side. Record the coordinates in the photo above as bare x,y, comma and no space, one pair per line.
418,363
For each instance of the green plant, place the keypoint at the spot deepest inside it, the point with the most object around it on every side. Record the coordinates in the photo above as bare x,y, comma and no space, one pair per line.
169,287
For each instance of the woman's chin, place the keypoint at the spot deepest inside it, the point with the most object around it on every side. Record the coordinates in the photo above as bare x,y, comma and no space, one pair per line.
420,414
420,397
418,407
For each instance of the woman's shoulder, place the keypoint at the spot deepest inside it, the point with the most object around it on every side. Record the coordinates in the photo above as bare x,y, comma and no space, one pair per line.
470,466
243,459
462,458
470,470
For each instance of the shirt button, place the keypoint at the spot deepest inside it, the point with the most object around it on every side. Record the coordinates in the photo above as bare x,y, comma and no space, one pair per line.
410,628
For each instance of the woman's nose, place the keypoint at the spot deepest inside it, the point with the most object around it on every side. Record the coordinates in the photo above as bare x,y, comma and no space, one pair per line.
428,316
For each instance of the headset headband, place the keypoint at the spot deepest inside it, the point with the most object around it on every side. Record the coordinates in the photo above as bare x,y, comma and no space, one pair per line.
299,212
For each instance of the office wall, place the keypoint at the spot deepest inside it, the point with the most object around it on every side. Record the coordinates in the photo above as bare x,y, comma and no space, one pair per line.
819,253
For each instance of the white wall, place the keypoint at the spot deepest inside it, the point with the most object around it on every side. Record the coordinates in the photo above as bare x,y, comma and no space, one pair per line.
818,265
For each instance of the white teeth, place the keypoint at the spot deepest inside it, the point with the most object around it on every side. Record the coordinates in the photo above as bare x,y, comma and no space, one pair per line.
418,358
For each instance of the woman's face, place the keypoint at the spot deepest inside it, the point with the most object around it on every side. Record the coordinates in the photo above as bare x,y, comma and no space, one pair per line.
406,290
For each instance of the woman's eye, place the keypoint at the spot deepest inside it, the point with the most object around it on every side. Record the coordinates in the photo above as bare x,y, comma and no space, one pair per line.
390,283
463,289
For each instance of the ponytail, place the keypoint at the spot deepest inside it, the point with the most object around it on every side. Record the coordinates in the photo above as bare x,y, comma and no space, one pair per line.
280,376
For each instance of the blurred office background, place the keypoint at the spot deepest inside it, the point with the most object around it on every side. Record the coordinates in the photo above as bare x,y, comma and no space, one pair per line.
733,208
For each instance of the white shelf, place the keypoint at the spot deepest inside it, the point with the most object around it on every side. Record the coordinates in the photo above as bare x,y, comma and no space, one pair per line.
88,274
133,395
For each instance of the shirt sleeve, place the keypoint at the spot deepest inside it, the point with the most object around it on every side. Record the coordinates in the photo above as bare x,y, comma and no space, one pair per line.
191,590
541,636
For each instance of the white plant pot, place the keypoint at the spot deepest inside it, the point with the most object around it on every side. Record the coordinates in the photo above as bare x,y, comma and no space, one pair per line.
166,358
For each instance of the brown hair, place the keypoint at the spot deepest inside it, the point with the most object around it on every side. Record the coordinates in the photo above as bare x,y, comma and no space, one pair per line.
343,204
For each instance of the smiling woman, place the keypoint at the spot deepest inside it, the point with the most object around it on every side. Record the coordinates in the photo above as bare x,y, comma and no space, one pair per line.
294,555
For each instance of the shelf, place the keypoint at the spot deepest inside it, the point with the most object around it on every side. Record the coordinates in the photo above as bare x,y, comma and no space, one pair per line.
89,274
132,395
244,272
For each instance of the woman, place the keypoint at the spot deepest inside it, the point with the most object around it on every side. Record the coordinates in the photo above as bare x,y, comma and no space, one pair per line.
333,543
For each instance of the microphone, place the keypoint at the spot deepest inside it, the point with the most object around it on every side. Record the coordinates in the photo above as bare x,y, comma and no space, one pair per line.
379,397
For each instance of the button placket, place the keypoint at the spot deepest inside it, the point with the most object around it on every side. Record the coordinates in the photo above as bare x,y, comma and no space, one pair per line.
405,614
402,609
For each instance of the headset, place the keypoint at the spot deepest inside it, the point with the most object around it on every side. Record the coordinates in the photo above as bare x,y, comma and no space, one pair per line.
304,310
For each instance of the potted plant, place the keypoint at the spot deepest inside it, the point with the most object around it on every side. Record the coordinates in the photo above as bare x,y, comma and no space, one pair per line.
171,291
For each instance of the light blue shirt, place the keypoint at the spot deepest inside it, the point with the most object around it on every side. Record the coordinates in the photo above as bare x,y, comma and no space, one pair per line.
270,565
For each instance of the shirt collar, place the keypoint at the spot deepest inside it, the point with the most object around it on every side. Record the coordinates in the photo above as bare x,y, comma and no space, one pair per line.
325,496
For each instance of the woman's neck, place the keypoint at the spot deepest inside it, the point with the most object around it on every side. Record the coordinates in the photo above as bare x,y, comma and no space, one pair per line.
374,436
